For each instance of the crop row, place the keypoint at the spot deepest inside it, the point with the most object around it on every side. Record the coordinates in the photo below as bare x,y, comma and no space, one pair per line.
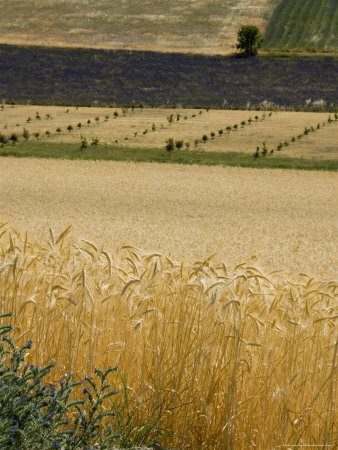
264,151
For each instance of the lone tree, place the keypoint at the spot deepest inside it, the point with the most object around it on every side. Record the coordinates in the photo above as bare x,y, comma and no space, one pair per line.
249,40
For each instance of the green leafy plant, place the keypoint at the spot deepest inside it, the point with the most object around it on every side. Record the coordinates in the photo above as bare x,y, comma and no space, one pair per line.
170,145
3,140
249,40
179,144
25,134
42,416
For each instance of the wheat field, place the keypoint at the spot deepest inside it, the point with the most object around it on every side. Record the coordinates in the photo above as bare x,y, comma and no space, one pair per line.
278,219
150,128
106,263
200,26
221,358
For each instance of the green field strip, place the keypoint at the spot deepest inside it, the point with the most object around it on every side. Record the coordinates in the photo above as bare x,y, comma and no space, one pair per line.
322,18
303,24
297,23
311,10
72,151
330,34
274,34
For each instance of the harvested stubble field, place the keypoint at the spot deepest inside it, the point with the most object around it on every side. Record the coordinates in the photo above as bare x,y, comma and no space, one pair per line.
150,128
191,26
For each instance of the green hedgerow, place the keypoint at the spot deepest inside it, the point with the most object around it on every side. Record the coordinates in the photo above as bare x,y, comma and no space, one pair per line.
39,415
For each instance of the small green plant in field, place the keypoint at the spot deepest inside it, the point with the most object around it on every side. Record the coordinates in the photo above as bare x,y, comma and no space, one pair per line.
256,154
116,114
88,122
3,140
243,123
279,146
194,115
204,138
47,133
37,116
318,126
170,118
178,116
58,130
187,145
40,415
220,132
306,131
95,141
69,128
329,120
228,128
84,143
196,142
335,116
170,145
79,125
124,111
212,135
106,118
97,119
293,139
256,118
36,135
179,144
185,117
286,143
201,112
153,127
264,149
25,134
14,138
249,120
145,131
235,127
29,119
48,116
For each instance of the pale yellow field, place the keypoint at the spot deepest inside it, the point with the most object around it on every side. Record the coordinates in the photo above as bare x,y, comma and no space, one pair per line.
201,26
278,127
276,219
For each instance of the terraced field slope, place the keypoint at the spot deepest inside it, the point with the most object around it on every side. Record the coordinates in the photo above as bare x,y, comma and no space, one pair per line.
304,24
207,26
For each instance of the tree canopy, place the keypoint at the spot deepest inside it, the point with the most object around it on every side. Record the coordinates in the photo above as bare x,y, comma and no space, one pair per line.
249,40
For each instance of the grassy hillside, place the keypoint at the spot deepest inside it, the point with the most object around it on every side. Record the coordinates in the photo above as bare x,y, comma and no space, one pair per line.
207,26
304,24
88,77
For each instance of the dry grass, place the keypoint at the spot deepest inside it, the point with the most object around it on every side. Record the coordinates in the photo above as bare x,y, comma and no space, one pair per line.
191,26
224,358
281,126
276,219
